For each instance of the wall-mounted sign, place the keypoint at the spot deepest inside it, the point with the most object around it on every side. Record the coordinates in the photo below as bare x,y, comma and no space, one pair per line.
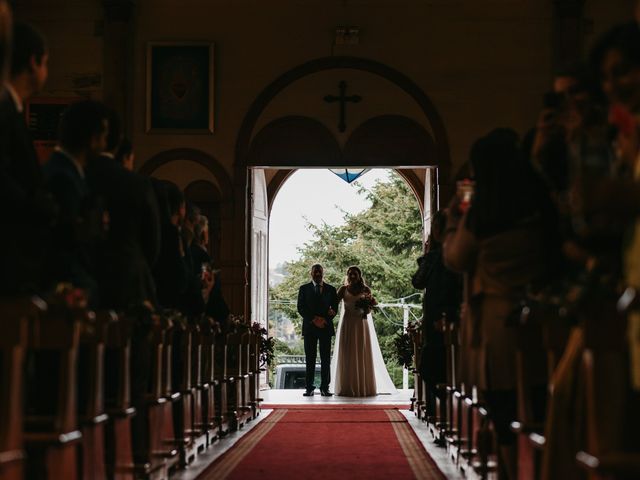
43,116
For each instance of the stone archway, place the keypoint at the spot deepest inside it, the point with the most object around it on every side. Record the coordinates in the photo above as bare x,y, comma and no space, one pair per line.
275,144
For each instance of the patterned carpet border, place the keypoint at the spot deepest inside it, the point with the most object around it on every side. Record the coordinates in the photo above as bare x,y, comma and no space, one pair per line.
230,459
423,467
334,406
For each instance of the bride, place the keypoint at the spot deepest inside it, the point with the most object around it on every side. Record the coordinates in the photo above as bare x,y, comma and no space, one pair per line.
357,366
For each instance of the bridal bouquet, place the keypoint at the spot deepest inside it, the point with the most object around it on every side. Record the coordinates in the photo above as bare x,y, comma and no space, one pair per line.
366,303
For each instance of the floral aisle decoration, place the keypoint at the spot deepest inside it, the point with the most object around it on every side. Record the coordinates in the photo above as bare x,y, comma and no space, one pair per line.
404,345
267,344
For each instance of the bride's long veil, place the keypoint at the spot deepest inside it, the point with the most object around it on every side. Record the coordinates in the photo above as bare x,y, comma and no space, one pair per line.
384,384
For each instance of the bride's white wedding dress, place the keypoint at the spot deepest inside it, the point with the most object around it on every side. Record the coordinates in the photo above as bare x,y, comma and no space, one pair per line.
357,366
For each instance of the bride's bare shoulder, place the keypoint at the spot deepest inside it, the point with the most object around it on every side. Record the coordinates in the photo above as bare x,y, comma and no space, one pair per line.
341,291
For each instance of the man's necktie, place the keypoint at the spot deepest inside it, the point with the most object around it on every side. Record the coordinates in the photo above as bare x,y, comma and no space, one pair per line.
317,289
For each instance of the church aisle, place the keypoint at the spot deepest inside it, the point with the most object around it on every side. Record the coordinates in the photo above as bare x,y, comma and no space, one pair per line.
339,441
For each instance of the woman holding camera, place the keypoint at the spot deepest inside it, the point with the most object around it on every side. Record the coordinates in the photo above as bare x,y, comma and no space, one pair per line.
504,237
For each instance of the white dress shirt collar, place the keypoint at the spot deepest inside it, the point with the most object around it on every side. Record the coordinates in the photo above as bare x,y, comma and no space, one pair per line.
17,101
73,160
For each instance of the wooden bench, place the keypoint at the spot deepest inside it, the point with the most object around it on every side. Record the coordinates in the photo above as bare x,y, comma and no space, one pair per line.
612,419
15,315
200,388
208,380
117,399
236,378
255,370
51,428
91,409
147,367
223,384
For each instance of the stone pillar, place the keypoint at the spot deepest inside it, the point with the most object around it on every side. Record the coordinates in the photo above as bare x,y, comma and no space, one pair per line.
568,35
118,58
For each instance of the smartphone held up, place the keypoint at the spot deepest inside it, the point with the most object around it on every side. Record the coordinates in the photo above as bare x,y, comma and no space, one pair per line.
464,192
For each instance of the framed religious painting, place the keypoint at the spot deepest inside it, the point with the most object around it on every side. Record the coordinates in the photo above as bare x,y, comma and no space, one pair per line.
180,87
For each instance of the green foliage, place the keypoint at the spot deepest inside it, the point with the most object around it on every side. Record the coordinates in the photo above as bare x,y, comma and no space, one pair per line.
383,240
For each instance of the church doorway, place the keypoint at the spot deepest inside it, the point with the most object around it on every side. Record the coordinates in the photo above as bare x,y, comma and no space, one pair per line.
376,221
304,120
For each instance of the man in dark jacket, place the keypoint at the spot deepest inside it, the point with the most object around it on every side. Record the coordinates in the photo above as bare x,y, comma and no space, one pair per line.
317,305
133,238
443,294
82,136
25,208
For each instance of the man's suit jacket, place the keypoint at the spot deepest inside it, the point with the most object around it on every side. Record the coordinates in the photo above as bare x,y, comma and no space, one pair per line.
133,239
78,226
25,209
311,304
20,174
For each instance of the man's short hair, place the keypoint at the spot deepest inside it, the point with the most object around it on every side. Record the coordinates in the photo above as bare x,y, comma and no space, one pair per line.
317,265
27,42
114,137
124,150
79,123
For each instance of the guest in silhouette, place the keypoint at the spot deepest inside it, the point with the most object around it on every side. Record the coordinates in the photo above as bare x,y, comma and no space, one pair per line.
170,272
132,242
440,302
25,207
506,238
125,156
82,137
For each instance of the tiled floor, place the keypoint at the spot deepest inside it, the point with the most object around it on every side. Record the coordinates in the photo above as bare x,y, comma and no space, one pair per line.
293,397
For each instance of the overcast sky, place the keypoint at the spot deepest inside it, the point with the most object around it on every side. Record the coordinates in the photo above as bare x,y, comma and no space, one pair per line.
296,205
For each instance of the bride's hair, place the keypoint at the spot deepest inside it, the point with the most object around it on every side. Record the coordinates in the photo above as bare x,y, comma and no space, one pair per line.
362,285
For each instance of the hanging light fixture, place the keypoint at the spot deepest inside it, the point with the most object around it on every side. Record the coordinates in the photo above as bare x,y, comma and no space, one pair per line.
349,174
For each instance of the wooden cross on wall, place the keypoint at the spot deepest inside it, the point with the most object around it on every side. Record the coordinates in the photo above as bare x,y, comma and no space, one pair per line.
343,99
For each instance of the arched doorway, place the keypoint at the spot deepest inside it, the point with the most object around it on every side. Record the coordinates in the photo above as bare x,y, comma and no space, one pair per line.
413,139
206,183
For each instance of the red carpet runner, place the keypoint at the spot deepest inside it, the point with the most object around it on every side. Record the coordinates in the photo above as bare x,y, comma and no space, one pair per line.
327,443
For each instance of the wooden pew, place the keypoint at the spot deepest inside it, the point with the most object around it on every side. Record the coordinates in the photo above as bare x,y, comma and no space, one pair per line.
15,315
117,399
529,343
612,419
458,437
168,448
51,429
255,370
183,384
223,383
208,381
245,375
200,387
444,391
418,402
545,327
466,450
91,408
235,412
147,367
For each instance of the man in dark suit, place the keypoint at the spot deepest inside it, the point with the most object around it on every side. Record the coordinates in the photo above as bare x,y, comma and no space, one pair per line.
82,136
317,305
25,208
133,240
